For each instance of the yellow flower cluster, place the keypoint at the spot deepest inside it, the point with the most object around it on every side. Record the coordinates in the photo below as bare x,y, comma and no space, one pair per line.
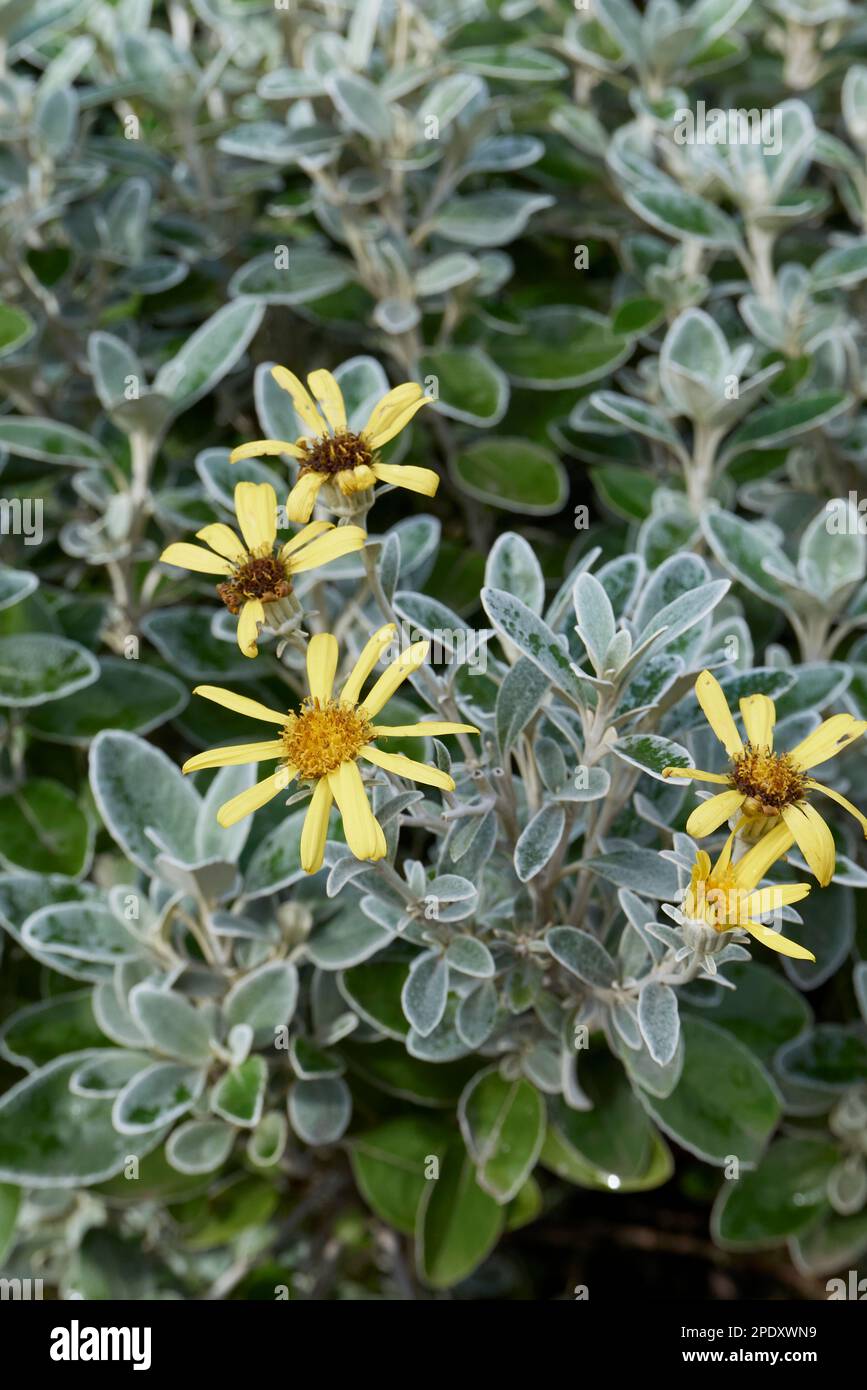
319,744
766,802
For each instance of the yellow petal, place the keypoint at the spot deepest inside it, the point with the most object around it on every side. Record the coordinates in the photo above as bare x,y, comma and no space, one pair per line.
306,411
240,753
358,822
394,412
329,398
223,540
759,716
315,831
256,509
251,615
250,800
407,475
813,839
265,448
341,540
304,536
407,767
709,816
394,676
776,941
765,900
195,557
840,800
751,868
321,665
302,498
697,775
701,868
435,727
241,704
370,654
709,694
831,737
357,479
381,846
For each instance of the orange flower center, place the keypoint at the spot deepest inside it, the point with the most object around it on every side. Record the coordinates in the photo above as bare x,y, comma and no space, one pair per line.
260,576
324,734
771,780
335,453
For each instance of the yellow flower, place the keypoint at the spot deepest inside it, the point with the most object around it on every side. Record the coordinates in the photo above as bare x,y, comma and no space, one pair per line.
767,787
322,741
329,452
726,898
256,577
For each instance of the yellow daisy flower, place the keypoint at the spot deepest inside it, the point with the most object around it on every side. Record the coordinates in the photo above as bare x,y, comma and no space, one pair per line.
322,741
329,452
726,897
765,787
256,578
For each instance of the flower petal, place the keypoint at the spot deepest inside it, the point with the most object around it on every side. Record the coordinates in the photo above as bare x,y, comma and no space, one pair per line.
407,767
370,654
697,775
251,616
250,800
831,737
329,398
302,498
223,540
321,665
315,831
241,704
265,448
709,694
340,540
436,728
751,868
394,676
840,800
776,941
709,816
240,753
393,412
759,716
765,900
256,510
196,558
407,475
304,408
358,822
813,839
305,536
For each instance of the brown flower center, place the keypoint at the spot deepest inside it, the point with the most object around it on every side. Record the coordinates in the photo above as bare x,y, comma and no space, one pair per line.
260,576
323,735
334,453
770,779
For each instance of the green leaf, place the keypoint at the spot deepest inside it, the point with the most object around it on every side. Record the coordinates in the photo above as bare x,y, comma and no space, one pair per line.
139,790
127,695
155,1097
538,841
492,218
582,955
265,999
15,585
614,1141
319,1111
374,990
627,491
512,565
724,1104
831,1057
389,1163
503,1124
652,753
513,62
40,1032
239,1095
49,442
468,386
361,105
763,1011
276,860
16,329
311,272
52,1138
742,548
770,426
199,1146
563,346
184,640
514,621
42,827
513,474
458,1222
212,351
36,667
171,1023
780,1198
682,215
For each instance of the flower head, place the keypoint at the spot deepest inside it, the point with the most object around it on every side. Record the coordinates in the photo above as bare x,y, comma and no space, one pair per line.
766,788
725,897
329,452
321,743
255,576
